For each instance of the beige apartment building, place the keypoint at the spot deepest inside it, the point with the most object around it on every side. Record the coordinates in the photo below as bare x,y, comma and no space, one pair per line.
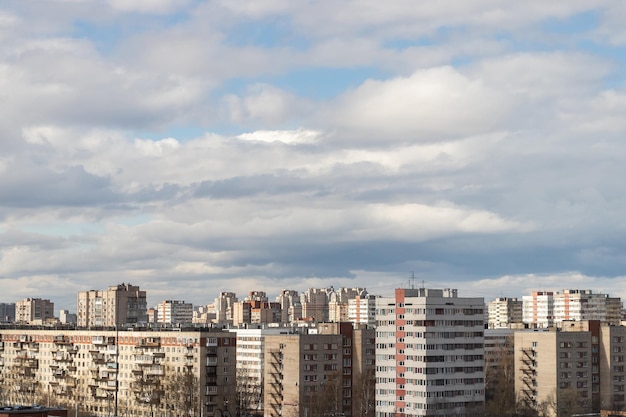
504,312
119,305
579,368
328,371
34,311
108,372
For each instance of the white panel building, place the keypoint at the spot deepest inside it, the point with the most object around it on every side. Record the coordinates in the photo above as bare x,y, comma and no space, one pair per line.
174,312
429,354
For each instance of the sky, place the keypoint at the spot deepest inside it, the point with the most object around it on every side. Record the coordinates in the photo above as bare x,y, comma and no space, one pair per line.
192,147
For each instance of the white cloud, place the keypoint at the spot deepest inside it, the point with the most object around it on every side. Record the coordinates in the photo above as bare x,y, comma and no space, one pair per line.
149,6
428,105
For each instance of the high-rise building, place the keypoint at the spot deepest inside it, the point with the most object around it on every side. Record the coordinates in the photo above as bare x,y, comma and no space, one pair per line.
585,305
7,312
65,317
256,309
538,309
174,312
362,309
119,305
224,307
327,371
34,311
204,315
251,366
504,312
338,301
314,303
429,354
577,369
544,309
290,307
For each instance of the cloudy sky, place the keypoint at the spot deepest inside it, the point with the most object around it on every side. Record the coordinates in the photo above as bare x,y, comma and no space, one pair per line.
192,147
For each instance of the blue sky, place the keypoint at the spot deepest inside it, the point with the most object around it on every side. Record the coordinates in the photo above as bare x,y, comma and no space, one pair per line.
192,147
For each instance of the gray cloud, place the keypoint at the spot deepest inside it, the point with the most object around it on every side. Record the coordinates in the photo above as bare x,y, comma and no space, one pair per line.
472,146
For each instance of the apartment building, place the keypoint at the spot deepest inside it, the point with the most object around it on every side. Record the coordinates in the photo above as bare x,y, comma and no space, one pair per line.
338,302
34,311
119,305
429,354
224,307
108,372
543,309
585,305
504,312
362,310
575,369
538,309
290,307
174,312
7,312
325,371
251,365
314,303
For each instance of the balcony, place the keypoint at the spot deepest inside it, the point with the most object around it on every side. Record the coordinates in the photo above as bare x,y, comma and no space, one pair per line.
149,342
144,360
99,340
61,340
155,370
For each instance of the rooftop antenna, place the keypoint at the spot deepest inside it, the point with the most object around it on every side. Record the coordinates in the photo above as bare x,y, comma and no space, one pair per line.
412,280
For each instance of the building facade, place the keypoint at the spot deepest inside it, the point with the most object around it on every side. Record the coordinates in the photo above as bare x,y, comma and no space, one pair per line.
7,312
104,373
325,371
174,312
34,311
429,354
120,305
544,309
504,312
579,368
224,307
362,310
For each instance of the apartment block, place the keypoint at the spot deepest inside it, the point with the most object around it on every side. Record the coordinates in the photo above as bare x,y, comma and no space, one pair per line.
327,371
302,375
108,372
362,310
7,312
251,365
34,311
174,312
224,307
119,305
538,309
544,309
429,354
503,312
585,305
290,306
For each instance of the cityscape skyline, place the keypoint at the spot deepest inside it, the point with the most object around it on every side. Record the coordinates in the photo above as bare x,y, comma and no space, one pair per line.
192,147
346,293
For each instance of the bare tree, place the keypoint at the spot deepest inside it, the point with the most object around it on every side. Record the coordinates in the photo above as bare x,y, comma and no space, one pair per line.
363,394
249,391
182,392
500,385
